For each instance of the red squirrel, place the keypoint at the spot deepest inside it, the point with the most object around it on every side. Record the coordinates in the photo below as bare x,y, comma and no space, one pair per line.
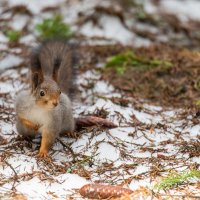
46,108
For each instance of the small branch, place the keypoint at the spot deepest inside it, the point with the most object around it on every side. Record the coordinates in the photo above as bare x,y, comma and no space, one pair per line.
179,195
69,148
16,176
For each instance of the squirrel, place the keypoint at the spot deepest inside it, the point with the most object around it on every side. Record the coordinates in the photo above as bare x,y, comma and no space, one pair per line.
46,107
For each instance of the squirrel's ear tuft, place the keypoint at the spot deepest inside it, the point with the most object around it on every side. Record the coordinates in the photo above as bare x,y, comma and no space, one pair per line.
56,66
36,80
35,61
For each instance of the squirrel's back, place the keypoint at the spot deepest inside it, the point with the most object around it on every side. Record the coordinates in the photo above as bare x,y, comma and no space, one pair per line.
56,59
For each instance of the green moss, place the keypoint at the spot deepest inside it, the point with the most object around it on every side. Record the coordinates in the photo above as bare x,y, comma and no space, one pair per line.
197,84
197,103
140,11
54,28
128,59
13,36
175,179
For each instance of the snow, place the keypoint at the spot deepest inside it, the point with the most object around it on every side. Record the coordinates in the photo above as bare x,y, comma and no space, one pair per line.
35,188
186,9
35,6
20,164
136,184
19,22
3,38
107,152
109,27
10,61
100,146
149,7
5,88
28,39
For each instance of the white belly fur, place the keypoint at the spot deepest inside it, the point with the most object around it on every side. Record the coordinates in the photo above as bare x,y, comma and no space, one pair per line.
38,116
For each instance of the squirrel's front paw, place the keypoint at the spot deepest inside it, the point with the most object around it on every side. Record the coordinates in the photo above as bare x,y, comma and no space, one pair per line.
43,153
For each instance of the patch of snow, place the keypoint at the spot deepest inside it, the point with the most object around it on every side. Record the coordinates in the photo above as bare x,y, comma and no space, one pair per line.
140,169
186,9
80,144
3,47
71,181
99,138
145,154
194,131
144,117
35,6
102,87
140,41
11,73
149,7
16,50
146,27
6,129
122,133
19,22
10,61
152,108
73,8
162,38
136,184
6,16
20,164
109,27
35,189
196,160
3,38
107,152
6,88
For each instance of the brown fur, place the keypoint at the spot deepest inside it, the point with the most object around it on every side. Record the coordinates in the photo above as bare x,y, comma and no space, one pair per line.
46,143
29,124
52,70
55,59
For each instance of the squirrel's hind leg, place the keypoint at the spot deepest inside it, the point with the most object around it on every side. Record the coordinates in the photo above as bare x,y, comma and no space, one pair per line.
48,139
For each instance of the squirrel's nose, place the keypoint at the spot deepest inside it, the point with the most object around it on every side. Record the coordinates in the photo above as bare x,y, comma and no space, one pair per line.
55,103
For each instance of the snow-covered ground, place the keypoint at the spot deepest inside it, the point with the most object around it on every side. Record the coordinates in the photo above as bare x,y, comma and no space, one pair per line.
184,9
129,150
148,139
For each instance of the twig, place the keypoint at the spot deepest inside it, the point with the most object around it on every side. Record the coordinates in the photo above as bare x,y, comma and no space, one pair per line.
69,148
179,195
16,176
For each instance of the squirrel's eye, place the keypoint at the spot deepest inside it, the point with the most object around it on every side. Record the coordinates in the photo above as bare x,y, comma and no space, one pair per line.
42,93
60,92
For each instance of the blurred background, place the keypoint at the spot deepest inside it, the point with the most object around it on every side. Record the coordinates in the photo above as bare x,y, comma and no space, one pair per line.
155,43
129,22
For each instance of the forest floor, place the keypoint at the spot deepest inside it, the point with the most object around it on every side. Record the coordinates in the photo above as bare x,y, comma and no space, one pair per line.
143,74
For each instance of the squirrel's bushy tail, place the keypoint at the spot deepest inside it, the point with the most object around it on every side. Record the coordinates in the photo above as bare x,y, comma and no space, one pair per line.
59,60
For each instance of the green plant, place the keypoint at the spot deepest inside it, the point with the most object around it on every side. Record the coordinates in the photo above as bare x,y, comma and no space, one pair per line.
197,102
140,11
175,179
54,28
128,59
197,84
13,36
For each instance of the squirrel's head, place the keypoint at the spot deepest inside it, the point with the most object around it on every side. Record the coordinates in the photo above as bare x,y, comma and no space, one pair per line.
45,90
